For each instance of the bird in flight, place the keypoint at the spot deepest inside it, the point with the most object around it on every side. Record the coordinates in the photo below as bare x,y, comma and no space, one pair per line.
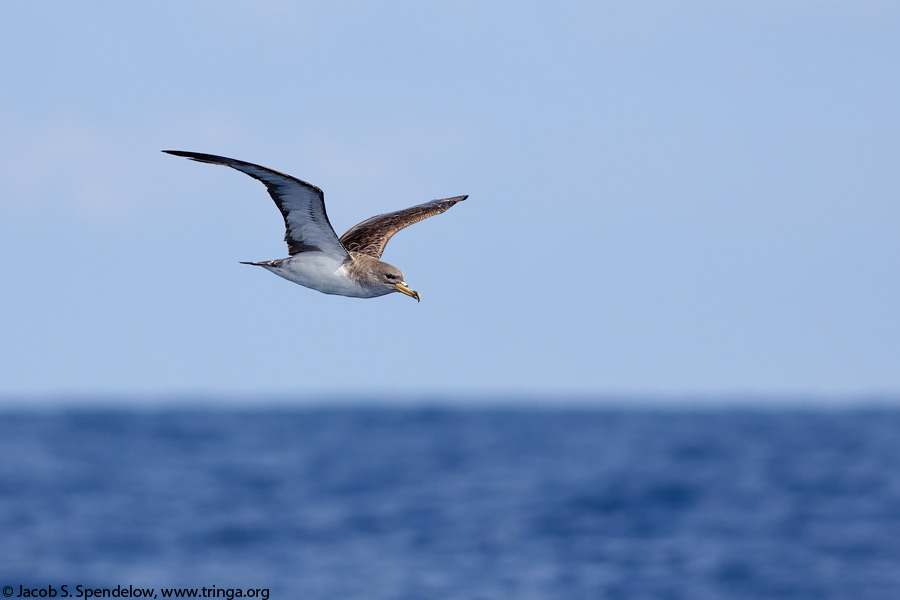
347,266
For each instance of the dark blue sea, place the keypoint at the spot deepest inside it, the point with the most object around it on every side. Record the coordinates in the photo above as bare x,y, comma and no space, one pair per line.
435,503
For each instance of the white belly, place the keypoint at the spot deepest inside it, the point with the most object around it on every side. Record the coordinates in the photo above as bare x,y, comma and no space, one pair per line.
322,273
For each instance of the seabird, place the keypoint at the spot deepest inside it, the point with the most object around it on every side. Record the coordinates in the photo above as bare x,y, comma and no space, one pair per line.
345,266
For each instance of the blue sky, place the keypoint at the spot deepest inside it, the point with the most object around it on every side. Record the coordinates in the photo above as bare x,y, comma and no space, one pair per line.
672,199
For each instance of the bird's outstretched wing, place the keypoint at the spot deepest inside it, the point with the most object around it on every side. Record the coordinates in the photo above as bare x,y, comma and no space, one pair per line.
372,235
302,205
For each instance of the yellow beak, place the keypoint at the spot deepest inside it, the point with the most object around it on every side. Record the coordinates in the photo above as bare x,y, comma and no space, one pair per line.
403,289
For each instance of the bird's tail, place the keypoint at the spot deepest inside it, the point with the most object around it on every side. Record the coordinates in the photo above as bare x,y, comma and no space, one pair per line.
265,263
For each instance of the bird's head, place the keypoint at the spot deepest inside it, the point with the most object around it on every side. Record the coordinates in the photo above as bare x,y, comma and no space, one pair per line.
387,277
376,274
391,277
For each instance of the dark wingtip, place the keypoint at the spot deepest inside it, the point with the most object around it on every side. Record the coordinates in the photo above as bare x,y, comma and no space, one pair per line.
190,155
198,156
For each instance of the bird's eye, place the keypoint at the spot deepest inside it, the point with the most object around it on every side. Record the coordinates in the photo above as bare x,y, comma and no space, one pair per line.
390,275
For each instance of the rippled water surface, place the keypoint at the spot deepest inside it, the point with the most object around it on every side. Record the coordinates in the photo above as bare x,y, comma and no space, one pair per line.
490,504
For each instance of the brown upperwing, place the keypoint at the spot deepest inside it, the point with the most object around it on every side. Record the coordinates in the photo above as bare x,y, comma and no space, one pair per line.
372,235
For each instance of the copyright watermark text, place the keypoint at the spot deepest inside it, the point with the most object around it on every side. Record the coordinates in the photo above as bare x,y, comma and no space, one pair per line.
82,591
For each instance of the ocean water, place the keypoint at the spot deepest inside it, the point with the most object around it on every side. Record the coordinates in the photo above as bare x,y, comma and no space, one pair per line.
459,504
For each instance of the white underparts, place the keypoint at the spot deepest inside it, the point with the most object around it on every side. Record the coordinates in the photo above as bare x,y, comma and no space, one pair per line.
325,274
